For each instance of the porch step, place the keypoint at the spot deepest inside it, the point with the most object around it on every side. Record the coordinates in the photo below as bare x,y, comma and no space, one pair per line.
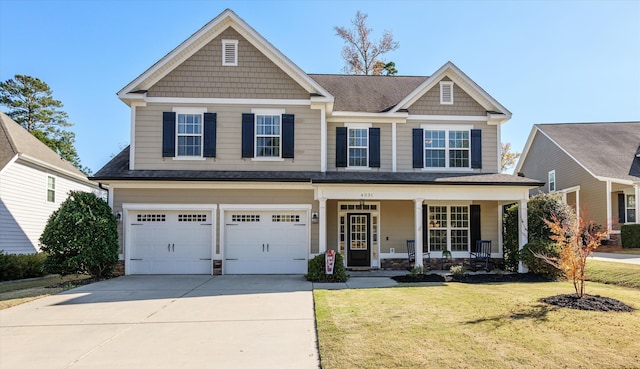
361,269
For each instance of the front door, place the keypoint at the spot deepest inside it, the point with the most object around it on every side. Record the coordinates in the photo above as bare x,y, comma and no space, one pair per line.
358,243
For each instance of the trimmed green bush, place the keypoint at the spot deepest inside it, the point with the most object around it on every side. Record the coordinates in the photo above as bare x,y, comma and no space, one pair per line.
537,265
81,237
21,266
630,236
316,271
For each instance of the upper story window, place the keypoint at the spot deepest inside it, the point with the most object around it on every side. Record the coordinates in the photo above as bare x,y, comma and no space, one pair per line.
189,134
268,136
552,181
630,208
51,189
446,92
446,148
358,147
230,52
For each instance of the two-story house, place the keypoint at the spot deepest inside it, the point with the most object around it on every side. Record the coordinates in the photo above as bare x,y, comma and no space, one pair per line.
241,162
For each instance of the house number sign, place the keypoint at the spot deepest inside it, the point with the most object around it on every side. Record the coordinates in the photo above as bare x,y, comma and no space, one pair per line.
366,195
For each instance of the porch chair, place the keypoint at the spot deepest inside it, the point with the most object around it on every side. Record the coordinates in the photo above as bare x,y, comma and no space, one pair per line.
480,255
411,252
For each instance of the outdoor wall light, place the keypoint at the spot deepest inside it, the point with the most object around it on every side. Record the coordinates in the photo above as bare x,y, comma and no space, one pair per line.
314,218
118,216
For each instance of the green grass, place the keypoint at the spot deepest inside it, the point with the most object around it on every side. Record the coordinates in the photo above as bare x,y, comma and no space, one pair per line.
19,292
621,274
626,251
474,326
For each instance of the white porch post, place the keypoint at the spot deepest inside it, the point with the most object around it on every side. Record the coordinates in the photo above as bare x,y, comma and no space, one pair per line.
418,227
322,223
637,192
523,232
608,201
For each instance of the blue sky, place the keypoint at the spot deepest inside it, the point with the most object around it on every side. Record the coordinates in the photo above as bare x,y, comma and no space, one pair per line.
546,61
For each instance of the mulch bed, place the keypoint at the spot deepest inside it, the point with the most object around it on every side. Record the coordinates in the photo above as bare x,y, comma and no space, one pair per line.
408,278
473,278
587,302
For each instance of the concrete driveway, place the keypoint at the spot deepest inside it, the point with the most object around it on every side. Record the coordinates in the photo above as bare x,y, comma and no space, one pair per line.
166,322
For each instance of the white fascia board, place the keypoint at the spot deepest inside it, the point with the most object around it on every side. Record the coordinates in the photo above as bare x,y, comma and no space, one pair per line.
6,166
218,185
223,101
616,180
143,206
53,168
449,118
224,207
361,117
452,71
207,33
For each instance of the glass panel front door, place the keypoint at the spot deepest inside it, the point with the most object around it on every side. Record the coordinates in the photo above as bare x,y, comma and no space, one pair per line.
359,243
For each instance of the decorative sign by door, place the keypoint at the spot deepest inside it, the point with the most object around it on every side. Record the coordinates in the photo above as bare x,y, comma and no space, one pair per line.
329,261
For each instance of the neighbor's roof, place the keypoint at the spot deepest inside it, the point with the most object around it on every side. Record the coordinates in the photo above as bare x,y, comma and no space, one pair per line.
371,94
16,141
607,150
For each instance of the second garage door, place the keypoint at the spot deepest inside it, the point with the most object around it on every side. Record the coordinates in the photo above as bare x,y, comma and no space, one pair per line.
266,242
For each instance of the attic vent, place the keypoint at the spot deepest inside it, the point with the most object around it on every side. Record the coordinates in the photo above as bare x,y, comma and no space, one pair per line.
230,52
446,92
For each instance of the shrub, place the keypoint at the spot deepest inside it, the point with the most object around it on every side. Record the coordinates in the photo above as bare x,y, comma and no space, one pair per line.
21,266
458,270
316,272
630,235
537,265
81,237
540,207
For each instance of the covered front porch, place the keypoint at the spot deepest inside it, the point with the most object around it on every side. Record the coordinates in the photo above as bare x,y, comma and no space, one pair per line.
370,225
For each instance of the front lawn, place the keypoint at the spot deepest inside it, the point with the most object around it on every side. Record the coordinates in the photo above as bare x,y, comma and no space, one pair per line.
458,325
620,274
18,292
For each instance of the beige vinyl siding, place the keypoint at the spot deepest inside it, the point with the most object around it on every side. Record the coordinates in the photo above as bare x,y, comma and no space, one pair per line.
217,196
204,76
463,104
386,142
24,209
490,223
148,141
397,224
490,144
545,156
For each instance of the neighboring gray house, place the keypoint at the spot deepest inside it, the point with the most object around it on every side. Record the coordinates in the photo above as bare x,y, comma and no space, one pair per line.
34,181
594,166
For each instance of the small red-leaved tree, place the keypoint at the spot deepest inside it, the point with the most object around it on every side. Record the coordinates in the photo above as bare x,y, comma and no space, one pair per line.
576,241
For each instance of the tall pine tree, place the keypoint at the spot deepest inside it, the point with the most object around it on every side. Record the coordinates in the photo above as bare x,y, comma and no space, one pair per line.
31,104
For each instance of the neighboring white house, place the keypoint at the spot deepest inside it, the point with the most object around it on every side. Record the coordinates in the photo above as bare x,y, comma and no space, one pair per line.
34,181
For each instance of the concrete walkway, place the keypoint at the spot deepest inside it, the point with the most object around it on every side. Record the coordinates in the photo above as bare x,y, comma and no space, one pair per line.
166,322
616,258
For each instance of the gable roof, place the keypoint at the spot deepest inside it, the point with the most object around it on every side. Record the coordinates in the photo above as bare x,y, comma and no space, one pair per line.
461,80
606,150
16,142
371,94
201,38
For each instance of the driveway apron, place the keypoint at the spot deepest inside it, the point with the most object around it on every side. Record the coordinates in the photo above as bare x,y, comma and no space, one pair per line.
166,322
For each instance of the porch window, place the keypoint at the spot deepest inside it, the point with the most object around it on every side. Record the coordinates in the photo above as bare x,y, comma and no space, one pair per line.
630,207
448,228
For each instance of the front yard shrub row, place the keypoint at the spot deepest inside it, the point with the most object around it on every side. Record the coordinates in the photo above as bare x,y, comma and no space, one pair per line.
630,236
316,271
14,267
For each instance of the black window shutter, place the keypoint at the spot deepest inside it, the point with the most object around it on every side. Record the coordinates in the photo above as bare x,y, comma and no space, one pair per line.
622,210
247,135
418,148
168,134
210,122
475,225
341,147
374,147
476,148
288,136
425,228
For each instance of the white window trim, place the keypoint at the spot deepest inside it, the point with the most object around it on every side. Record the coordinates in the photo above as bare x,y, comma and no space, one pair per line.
555,185
50,189
256,113
446,128
224,53
443,85
448,230
626,209
351,126
193,111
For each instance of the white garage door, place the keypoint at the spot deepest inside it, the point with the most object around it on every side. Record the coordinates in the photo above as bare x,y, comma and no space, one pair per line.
170,242
266,242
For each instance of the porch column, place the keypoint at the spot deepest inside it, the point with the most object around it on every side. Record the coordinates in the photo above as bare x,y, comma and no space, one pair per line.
608,202
417,210
523,232
637,192
322,223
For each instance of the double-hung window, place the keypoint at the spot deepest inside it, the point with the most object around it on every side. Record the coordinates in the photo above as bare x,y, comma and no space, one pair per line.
448,228
447,148
630,208
189,134
268,136
51,189
358,147
552,181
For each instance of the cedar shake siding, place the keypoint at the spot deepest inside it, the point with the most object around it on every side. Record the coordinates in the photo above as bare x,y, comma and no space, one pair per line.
228,141
204,76
215,196
568,174
463,104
